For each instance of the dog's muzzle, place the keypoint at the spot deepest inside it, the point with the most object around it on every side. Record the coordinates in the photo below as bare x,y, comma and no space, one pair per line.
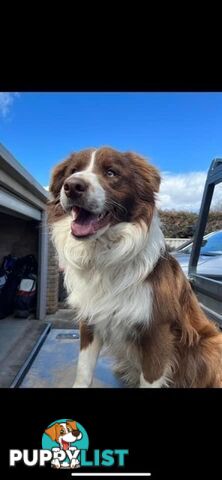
75,188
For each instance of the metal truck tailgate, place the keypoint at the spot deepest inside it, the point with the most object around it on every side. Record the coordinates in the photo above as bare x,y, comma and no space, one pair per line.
55,364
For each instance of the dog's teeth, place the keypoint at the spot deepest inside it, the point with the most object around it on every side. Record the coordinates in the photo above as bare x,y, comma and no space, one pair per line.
74,214
101,215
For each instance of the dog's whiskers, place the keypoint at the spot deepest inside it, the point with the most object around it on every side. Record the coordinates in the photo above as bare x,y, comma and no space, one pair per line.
115,207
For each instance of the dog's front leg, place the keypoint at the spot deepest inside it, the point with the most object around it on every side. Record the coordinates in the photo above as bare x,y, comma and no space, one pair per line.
156,363
74,463
90,346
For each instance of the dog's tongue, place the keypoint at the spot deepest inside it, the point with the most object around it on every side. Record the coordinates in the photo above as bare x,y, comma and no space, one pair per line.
84,224
65,445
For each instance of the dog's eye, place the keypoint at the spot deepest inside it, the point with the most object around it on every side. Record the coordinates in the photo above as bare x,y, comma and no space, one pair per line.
62,432
111,173
73,170
69,429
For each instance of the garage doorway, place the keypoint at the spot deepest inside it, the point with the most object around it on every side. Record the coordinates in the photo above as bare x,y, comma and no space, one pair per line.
23,232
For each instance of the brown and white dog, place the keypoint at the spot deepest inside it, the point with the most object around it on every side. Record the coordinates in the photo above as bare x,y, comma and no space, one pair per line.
65,433
128,292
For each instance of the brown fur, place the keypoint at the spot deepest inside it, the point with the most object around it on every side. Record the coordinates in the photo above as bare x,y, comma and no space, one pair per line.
86,335
180,336
133,188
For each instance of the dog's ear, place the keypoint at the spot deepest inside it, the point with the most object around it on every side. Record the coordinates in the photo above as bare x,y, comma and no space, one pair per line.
57,178
52,431
146,175
154,177
72,424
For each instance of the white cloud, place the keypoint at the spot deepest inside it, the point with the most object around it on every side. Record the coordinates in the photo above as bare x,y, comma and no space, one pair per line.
6,102
184,191
46,188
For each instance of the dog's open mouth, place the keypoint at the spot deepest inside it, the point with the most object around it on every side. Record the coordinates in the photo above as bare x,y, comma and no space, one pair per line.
86,223
65,445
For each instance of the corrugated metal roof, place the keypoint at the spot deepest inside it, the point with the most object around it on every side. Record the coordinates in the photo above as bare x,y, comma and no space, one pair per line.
9,164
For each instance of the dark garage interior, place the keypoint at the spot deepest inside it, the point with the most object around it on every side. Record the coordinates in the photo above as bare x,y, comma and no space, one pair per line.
23,259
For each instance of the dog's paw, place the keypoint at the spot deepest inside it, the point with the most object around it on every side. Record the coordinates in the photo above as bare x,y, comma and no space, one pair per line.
55,463
74,463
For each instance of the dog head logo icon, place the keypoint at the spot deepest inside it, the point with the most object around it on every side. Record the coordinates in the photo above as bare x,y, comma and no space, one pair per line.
65,438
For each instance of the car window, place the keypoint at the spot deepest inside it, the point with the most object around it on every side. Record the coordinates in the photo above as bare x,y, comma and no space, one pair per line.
187,249
212,244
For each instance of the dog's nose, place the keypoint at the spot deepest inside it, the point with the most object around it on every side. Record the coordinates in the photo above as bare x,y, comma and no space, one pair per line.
75,187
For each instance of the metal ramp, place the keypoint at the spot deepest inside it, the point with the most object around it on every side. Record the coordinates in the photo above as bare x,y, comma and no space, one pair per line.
55,364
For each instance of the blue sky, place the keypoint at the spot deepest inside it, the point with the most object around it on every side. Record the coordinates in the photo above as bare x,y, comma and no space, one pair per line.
179,132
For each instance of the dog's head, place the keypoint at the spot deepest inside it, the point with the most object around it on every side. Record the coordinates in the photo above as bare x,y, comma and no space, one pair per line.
101,187
64,433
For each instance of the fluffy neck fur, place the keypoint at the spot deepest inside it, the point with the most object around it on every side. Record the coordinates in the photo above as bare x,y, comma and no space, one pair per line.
104,275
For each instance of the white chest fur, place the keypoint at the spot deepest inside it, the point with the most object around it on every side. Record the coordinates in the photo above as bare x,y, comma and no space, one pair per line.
106,278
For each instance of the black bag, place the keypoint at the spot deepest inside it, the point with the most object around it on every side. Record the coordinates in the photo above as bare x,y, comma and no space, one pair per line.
12,272
25,299
7,295
8,285
3,278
